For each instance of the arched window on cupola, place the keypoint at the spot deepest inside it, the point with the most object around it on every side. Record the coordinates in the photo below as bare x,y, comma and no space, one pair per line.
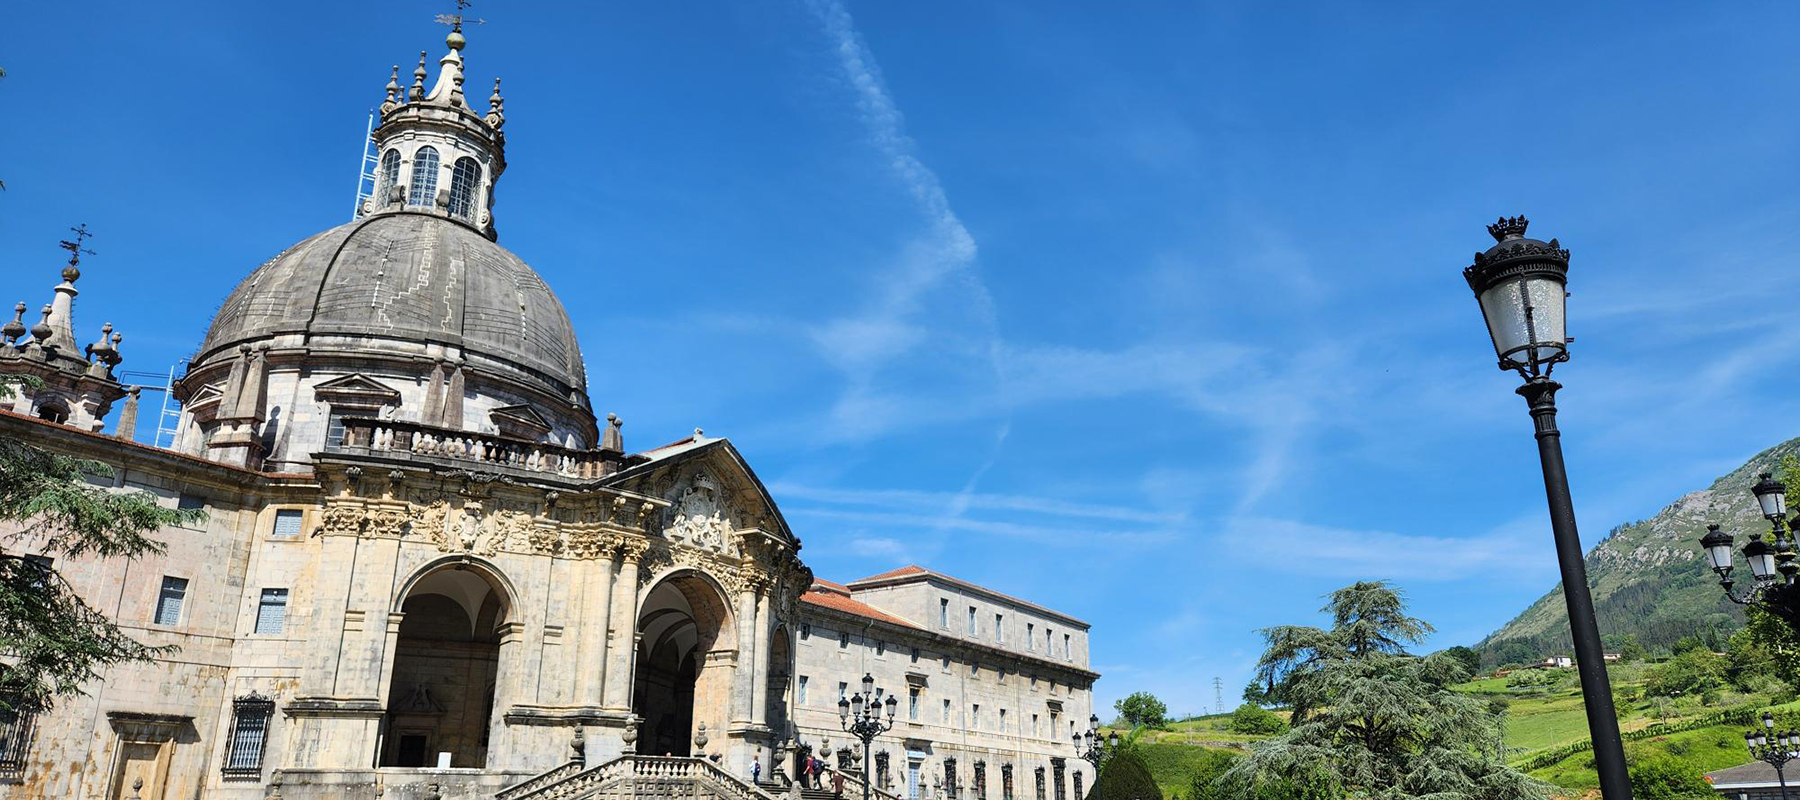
464,177
424,178
390,175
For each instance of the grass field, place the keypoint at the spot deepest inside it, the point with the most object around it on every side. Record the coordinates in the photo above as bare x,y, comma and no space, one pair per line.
1543,710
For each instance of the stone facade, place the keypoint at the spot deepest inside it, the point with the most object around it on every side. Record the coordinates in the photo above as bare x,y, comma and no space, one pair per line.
426,570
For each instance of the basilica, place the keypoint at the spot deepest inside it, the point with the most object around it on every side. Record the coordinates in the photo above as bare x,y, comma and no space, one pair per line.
427,569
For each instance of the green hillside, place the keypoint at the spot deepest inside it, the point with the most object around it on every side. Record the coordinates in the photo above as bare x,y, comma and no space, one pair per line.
1648,577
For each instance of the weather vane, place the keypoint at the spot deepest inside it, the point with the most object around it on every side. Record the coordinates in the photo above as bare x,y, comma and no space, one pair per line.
75,249
455,21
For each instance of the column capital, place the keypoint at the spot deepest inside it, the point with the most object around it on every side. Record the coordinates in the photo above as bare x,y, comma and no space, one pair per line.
632,548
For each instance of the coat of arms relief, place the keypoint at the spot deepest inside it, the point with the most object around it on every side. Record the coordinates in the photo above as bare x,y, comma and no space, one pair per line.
701,519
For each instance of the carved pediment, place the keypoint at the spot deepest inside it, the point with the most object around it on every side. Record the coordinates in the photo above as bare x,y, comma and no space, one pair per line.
521,421
205,403
356,391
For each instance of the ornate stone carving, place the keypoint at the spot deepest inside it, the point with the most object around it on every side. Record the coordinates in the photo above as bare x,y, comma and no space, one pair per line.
544,540
512,531
341,520
700,519
428,523
387,523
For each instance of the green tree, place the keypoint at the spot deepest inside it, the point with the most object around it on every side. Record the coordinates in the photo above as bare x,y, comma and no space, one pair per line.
1664,778
1373,721
1141,708
53,640
1467,657
1125,776
1250,718
1630,649
1693,672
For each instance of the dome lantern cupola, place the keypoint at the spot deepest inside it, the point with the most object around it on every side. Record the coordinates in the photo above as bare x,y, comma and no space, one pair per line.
438,155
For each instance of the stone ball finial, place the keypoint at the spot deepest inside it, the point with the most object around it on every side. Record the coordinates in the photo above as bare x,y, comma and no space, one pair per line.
455,40
41,331
16,328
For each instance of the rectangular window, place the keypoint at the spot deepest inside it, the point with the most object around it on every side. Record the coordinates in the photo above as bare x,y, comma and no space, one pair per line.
1034,724
334,429
249,733
271,613
805,631
843,690
169,600
946,663
843,639
188,502
915,655
801,694
999,628
912,703
946,719
944,613
42,568
1001,673
287,523
1002,727
1034,683
975,717
974,668
16,729
972,621
1067,653
1030,631
880,647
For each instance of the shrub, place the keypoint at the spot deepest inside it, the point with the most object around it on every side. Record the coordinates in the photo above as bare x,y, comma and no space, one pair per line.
1663,778
1126,777
1256,719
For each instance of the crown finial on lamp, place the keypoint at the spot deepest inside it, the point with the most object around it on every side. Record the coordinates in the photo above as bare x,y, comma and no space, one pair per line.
1508,228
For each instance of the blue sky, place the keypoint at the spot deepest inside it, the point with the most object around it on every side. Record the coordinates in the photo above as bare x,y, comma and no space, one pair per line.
1150,313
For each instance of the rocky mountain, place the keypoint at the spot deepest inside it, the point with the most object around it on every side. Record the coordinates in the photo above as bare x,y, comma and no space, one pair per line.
1649,577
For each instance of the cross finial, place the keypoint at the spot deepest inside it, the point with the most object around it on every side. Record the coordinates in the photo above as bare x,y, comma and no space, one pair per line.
76,251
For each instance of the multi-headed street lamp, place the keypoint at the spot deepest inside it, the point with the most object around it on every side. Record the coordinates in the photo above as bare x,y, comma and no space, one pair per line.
1772,567
1092,747
860,716
1522,287
1777,753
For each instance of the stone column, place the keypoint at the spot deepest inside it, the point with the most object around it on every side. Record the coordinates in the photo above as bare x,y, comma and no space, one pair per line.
759,709
744,677
596,622
624,627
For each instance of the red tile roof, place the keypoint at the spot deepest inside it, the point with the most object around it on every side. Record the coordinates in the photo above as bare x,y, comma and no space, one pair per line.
830,598
910,569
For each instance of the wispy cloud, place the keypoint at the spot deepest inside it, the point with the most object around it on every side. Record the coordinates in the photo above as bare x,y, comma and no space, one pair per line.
1326,551
1037,534
949,501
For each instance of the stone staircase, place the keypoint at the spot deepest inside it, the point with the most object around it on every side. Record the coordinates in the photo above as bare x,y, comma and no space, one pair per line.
628,776
668,778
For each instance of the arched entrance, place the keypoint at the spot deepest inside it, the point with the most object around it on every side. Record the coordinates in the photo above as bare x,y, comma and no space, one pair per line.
446,665
781,676
680,683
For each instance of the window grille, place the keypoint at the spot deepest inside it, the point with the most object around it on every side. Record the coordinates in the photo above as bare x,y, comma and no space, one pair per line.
287,523
271,612
1056,777
880,647
423,193
980,780
950,775
912,703
1078,786
169,600
1006,782
250,717
464,177
1040,782
390,175
802,692
881,769
16,728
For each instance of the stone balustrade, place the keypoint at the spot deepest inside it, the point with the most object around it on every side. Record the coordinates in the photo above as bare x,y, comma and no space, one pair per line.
569,781
476,450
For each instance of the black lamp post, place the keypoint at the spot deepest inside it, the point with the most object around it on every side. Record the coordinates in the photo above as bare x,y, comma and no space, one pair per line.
1092,747
1520,284
1777,753
1772,568
860,716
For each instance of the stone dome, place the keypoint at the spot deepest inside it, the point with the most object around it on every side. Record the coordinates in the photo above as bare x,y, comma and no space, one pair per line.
409,277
